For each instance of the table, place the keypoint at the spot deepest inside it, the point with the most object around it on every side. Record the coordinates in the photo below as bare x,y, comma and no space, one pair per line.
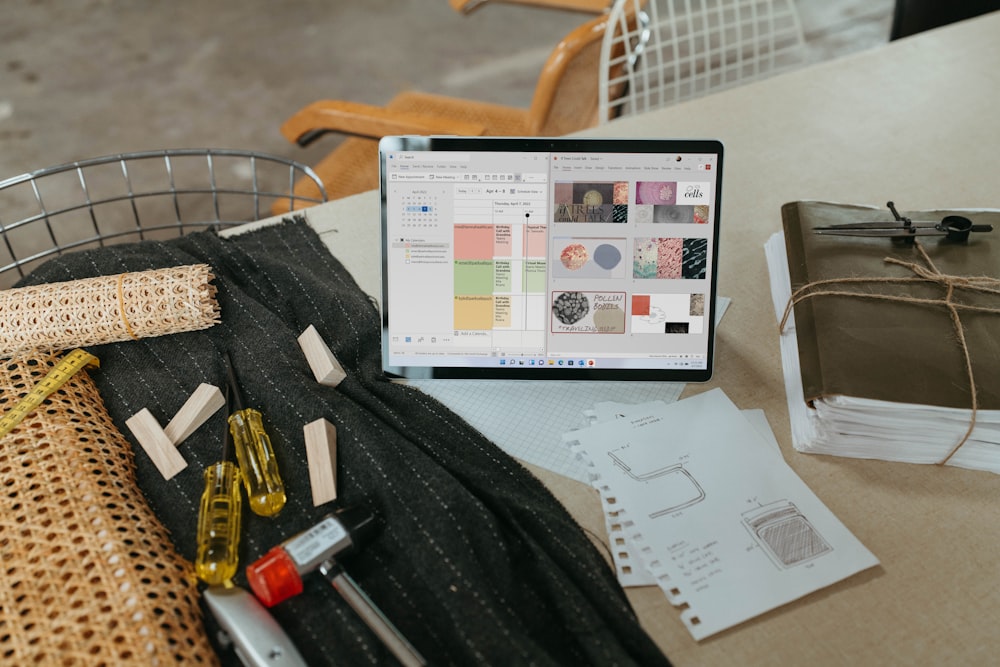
914,121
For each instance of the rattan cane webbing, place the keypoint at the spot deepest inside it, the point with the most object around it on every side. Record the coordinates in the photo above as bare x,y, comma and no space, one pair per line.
90,576
107,309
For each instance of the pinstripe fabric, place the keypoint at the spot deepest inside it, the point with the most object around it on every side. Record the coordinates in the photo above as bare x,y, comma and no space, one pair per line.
474,560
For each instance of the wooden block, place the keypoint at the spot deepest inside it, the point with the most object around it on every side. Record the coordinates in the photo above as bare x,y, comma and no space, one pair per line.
324,365
202,404
164,454
321,453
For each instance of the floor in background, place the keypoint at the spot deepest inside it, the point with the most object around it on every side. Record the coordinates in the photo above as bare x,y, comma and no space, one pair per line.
84,78
81,79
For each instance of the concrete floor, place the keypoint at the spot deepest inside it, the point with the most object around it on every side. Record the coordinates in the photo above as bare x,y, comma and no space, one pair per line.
85,78
81,79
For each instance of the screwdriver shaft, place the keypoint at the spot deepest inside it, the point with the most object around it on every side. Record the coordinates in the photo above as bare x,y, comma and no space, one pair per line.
373,617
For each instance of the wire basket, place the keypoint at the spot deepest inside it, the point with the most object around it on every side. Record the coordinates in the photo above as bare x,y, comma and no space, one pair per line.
138,196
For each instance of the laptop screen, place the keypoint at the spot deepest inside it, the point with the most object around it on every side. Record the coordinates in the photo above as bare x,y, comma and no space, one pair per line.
549,258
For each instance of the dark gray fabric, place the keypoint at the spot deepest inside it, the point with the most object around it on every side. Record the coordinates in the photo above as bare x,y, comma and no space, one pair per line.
473,559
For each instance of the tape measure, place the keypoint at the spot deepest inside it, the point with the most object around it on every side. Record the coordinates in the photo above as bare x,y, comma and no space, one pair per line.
67,367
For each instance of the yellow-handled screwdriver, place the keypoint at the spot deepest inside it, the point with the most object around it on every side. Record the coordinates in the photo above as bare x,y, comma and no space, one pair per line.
258,467
219,516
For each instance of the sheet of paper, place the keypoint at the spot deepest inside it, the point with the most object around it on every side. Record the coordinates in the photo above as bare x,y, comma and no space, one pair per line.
611,410
527,419
728,530
629,568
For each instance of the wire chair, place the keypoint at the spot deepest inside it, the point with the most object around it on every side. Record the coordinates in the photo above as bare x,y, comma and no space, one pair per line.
661,52
129,197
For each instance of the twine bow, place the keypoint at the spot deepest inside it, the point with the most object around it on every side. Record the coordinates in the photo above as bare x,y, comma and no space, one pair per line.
928,273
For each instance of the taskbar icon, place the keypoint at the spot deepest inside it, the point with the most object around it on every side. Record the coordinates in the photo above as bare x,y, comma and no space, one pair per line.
541,363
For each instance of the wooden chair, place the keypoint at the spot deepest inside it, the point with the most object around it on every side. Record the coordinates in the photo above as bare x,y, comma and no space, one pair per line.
564,101
641,55
588,6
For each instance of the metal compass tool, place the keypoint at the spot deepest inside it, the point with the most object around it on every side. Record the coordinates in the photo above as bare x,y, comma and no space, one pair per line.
953,227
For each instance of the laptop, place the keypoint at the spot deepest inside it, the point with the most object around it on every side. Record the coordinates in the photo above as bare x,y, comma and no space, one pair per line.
549,258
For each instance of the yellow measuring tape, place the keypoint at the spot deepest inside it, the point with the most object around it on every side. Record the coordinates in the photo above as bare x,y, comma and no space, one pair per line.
57,377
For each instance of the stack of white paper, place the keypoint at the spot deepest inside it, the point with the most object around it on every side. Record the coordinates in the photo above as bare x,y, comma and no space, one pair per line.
715,516
866,428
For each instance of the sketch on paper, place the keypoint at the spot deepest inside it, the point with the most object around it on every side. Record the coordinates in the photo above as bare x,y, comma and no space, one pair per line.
676,487
786,536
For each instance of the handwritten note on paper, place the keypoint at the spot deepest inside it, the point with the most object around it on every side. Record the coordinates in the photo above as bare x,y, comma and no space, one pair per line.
723,524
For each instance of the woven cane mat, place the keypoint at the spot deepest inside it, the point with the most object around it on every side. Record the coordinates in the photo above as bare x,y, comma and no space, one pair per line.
90,574
106,309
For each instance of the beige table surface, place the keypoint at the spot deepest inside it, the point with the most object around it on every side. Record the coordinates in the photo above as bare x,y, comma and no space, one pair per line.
917,122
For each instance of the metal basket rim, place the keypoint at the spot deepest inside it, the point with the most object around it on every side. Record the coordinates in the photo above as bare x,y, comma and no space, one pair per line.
129,193
161,153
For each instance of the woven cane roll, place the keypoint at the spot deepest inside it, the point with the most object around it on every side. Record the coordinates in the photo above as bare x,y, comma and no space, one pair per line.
107,309
90,576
